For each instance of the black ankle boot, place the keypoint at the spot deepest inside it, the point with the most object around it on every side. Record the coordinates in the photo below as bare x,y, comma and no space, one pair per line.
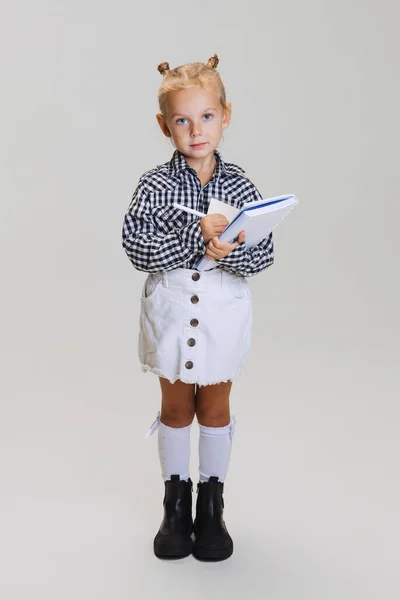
212,540
173,539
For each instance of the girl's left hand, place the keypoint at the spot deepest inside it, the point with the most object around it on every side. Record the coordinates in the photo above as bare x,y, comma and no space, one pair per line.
217,249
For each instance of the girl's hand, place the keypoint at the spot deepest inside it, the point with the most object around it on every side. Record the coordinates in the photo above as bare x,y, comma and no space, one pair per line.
212,226
217,249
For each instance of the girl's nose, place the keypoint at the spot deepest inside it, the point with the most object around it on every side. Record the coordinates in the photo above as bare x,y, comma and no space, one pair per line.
196,129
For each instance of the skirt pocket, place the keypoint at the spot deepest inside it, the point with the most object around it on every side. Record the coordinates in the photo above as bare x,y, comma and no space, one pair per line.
240,289
151,287
151,315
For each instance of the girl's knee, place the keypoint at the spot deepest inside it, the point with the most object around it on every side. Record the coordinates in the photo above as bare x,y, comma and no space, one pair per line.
178,403
177,417
212,417
212,405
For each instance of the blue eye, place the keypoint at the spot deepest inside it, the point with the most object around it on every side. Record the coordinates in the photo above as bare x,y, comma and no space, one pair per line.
181,121
208,117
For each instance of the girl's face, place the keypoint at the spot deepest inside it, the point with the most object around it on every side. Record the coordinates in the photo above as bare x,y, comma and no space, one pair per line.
195,120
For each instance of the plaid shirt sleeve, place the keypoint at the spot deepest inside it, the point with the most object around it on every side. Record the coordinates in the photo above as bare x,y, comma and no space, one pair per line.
248,262
151,250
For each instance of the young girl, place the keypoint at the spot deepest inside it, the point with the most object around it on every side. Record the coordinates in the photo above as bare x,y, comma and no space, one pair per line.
195,327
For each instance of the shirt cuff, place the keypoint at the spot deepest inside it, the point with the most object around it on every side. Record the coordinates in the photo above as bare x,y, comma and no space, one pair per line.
192,237
234,258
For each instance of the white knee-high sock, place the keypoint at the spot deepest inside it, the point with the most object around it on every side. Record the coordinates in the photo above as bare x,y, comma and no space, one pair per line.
173,449
215,444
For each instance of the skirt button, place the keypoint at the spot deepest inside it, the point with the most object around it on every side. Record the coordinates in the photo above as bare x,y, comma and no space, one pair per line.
191,342
194,322
194,299
189,364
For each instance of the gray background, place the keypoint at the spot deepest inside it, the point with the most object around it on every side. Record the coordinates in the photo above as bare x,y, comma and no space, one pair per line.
312,495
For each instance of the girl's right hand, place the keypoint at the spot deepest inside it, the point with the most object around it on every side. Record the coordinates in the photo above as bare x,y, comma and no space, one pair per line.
212,226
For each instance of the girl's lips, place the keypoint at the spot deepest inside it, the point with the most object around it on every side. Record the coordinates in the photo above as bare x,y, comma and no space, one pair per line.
198,145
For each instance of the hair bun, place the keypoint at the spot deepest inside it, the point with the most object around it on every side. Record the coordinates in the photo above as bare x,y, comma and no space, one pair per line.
213,61
163,68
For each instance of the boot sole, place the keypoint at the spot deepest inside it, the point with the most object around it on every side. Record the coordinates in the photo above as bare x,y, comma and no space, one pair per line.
173,551
209,553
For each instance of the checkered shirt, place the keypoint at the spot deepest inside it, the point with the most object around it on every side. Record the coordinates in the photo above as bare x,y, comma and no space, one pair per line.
157,236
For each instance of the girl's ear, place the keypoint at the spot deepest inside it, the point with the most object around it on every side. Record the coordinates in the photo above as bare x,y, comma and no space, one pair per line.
163,125
226,119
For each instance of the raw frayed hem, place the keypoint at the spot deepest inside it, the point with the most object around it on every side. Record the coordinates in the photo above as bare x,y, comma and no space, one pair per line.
159,373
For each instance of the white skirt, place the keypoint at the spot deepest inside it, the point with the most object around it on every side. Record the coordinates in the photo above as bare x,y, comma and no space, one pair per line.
195,326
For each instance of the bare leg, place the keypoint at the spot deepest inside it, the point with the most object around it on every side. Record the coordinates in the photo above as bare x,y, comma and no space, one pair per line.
178,403
212,404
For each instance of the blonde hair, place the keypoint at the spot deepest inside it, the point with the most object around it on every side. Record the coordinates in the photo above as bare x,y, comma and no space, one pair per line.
188,75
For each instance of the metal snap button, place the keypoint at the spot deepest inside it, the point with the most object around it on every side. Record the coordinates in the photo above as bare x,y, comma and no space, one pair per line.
194,299
196,276
194,322
191,342
189,364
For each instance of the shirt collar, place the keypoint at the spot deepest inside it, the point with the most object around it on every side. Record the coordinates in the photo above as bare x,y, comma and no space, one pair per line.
178,164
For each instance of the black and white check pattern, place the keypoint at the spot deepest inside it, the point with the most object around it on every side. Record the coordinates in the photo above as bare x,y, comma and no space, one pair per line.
159,237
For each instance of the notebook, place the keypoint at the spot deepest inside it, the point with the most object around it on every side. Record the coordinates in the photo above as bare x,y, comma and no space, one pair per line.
257,219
